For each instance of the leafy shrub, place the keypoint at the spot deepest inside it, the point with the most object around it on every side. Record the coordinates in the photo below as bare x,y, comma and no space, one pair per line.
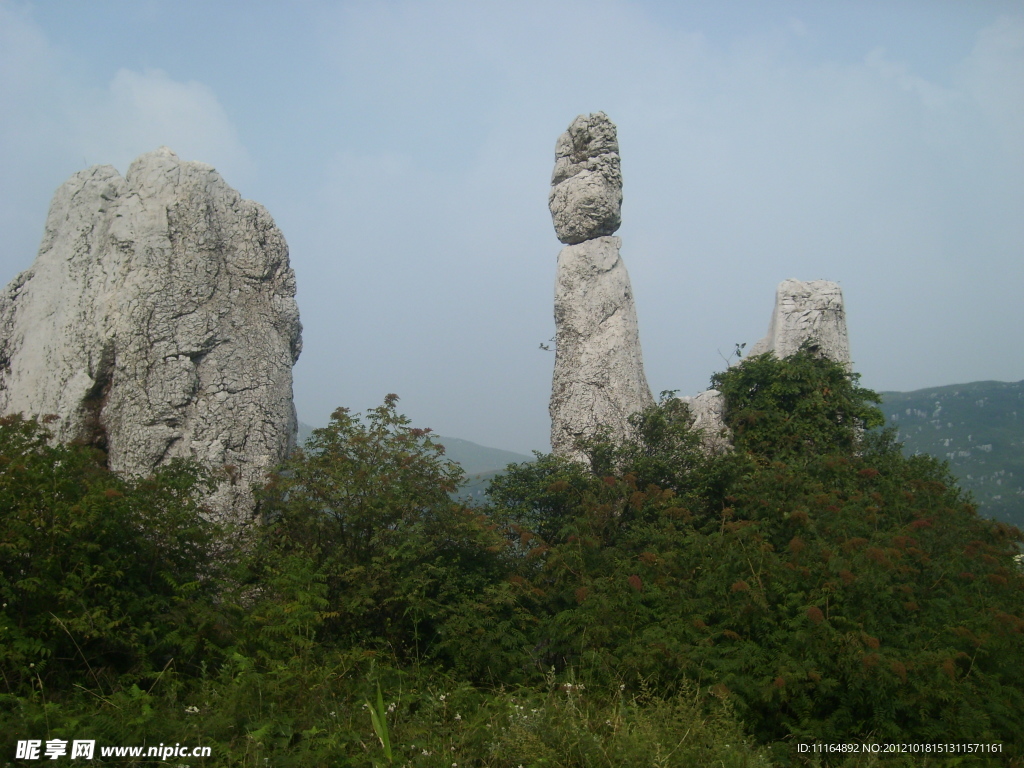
95,571
567,723
804,405
367,513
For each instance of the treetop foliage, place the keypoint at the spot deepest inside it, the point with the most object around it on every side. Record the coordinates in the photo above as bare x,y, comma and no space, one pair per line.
802,405
370,506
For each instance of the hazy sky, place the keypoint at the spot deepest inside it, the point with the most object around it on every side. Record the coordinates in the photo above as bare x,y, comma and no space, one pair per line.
405,149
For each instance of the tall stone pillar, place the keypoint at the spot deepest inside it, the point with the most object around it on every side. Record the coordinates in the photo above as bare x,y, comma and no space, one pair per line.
599,379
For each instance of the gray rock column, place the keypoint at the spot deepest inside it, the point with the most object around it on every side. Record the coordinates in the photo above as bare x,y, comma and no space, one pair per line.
810,311
158,321
599,379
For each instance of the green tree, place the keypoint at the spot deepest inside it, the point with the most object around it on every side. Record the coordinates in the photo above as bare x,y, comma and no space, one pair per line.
804,405
370,505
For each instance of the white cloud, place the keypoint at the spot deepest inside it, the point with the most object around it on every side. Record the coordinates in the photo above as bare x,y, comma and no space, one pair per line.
930,94
32,135
994,76
26,58
746,161
140,111
57,120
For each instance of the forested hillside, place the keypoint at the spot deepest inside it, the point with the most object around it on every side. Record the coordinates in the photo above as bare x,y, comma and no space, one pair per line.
979,429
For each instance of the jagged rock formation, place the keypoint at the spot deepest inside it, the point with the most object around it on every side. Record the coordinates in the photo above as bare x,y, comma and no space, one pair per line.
158,321
599,379
807,311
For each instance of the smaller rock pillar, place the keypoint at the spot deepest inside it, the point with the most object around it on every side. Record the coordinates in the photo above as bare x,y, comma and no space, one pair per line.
809,311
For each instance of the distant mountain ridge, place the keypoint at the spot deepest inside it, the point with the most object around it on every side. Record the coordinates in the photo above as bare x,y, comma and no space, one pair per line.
978,428
474,459
478,459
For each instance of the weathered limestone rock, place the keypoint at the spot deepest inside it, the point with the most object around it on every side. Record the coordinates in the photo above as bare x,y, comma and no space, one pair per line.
586,185
807,311
158,321
599,379
708,413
